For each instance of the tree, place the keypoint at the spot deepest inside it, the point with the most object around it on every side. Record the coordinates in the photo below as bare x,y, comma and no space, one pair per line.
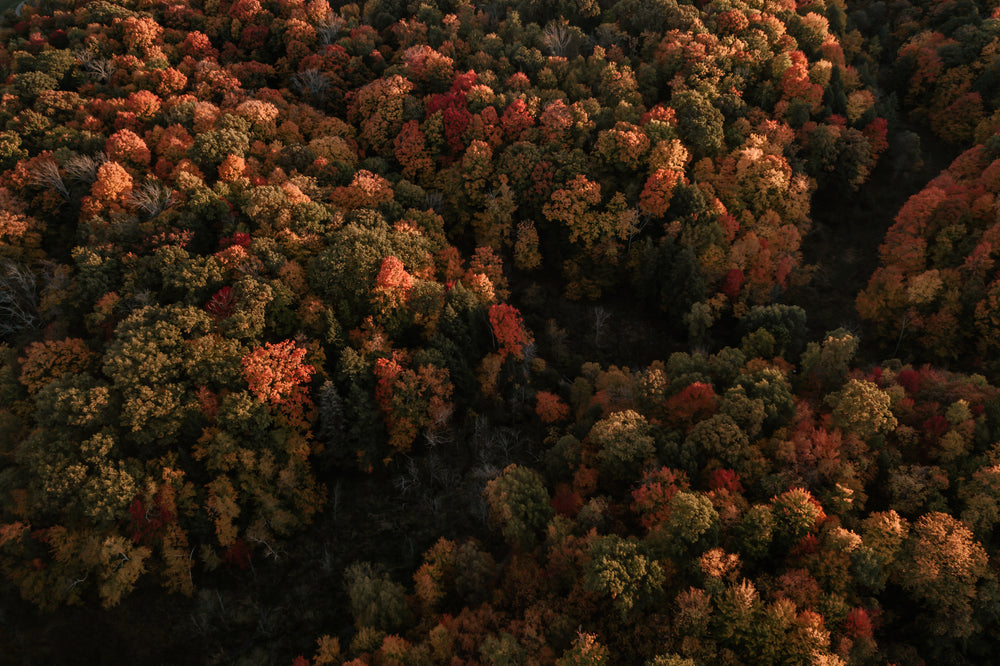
691,528
941,565
586,650
508,330
796,514
827,364
276,375
618,569
623,443
45,361
699,123
863,408
376,601
657,192
787,323
519,505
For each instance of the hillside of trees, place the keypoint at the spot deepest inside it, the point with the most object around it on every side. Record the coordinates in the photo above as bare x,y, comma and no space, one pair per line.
576,332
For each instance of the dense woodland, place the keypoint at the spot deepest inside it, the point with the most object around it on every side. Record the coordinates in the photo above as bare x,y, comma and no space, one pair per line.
523,332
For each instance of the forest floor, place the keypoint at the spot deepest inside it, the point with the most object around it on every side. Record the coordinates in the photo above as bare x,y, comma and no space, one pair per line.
848,230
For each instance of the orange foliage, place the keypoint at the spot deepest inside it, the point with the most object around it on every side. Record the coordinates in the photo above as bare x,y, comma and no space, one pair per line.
367,190
113,182
126,146
277,375
45,361
141,33
550,407
655,196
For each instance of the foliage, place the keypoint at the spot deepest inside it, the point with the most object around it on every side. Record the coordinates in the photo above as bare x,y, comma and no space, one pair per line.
247,249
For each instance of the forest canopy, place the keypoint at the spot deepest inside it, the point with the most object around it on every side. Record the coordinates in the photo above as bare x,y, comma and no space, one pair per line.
524,289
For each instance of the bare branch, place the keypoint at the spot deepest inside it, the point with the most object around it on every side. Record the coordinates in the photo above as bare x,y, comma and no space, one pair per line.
311,82
152,198
99,69
329,28
46,174
18,298
83,168
557,38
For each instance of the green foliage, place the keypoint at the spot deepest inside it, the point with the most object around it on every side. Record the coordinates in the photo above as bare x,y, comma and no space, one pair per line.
623,444
31,84
827,363
519,505
864,408
502,650
796,513
786,323
756,531
670,660
692,526
345,273
699,123
719,437
771,387
376,601
618,569
212,147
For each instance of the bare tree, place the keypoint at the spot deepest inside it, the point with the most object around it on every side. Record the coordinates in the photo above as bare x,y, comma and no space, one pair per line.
18,298
152,198
601,317
434,200
329,28
46,174
557,38
99,69
83,168
311,82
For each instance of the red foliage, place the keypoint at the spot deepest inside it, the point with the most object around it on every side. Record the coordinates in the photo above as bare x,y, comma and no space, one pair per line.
935,427
508,329
808,545
392,276
411,152
239,238
411,400
725,479
732,283
149,522
455,115
386,372
221,304
858,624
516,120
566,501
877,132
655,196
651,500
910,380
694,403
198,46
237,555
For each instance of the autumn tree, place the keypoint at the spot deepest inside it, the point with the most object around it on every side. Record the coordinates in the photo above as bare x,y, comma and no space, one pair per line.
620,570
519,504
940,566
